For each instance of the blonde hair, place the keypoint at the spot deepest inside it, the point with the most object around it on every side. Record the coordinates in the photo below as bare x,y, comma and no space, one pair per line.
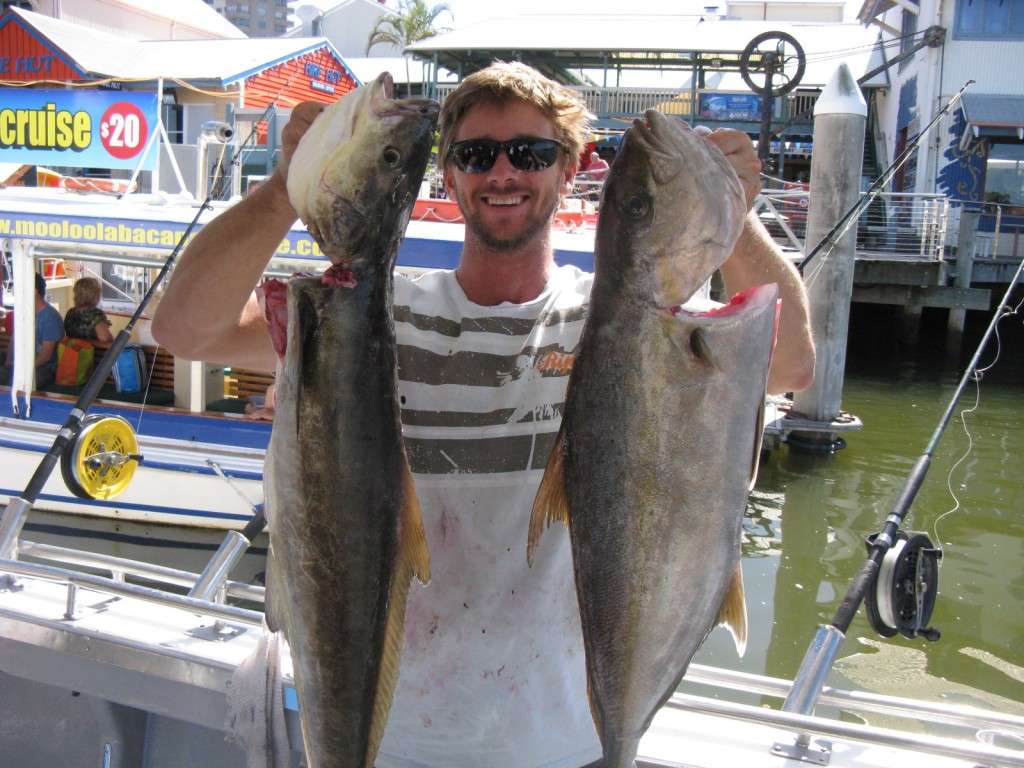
505,81
87,292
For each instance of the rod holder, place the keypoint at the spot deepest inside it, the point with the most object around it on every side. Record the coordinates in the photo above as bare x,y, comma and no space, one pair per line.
217,570
10,527
814,670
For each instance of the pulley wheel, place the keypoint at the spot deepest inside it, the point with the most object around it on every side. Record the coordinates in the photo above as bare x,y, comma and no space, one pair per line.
785,56
100,461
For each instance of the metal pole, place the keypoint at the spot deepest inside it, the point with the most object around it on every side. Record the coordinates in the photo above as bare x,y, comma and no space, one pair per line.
840,116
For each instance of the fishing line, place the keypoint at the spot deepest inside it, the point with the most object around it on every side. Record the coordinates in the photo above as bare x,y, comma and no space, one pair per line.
978,374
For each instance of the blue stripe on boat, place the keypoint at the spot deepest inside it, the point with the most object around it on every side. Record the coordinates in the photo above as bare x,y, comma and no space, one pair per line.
15,492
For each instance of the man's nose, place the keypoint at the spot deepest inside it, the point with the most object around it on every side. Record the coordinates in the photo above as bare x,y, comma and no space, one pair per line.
503,168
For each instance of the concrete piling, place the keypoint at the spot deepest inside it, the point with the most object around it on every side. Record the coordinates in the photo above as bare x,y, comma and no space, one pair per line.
840,117
961,278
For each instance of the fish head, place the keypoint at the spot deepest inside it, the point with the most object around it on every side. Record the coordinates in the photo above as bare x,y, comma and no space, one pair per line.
673,208
357,170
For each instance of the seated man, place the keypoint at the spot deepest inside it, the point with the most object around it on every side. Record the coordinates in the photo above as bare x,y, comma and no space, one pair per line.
49,330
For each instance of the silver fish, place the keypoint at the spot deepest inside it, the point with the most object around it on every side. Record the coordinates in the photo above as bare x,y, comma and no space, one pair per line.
346,536
661,431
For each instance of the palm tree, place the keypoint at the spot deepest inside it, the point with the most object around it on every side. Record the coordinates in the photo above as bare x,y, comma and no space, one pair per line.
413,21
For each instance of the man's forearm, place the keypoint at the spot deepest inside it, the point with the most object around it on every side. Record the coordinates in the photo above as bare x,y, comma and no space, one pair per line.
757,260
202,308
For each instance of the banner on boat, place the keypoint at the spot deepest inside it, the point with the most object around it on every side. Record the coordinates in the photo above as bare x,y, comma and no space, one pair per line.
77,128
133,233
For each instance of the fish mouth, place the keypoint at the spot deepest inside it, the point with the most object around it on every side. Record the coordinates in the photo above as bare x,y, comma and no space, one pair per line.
385,104
744,302
664,143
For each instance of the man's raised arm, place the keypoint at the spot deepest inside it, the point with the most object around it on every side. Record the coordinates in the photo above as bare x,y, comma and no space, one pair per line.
209,311
756,260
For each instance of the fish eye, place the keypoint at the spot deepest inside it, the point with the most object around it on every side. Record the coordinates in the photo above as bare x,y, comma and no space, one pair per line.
392,157
637,206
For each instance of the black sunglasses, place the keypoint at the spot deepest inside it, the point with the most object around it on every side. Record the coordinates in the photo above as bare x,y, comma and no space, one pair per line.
525,154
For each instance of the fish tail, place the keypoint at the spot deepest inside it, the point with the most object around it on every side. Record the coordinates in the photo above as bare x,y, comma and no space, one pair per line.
621,753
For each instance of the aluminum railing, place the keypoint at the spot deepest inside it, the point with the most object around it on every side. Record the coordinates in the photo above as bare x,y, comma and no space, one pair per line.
670,101
894,224
1000,233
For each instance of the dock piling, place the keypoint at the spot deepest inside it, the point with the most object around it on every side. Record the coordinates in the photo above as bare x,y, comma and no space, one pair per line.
840,117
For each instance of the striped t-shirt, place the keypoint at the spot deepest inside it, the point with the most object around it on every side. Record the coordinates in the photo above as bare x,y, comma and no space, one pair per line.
493,672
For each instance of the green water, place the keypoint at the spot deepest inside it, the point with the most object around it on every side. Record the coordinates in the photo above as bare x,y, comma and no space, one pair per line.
808,515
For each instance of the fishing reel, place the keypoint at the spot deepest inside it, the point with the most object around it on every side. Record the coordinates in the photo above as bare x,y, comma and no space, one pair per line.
101,458
903,596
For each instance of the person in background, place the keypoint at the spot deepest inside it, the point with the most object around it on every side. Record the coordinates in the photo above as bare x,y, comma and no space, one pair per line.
86,320
49,330
597,169
261,408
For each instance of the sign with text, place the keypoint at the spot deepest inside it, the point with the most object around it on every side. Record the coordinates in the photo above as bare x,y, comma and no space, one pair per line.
76,128
730,106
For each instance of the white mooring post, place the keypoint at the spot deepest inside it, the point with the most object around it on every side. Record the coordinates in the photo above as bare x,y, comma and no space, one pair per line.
840,116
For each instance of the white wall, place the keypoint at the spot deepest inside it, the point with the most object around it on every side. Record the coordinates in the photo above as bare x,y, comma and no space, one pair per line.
348,26
940,73
139,22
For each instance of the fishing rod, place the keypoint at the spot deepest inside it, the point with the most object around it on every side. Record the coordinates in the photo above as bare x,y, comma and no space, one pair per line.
899,578
14,516
863,201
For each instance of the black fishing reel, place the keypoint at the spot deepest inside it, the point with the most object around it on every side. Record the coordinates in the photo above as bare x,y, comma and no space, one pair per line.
903,596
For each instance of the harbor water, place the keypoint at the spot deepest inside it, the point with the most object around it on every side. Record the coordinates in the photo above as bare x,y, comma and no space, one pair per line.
808,516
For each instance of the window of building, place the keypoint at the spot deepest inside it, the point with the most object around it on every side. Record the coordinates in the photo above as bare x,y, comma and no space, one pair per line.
1004,174
261,24
989,20
908,35
261,11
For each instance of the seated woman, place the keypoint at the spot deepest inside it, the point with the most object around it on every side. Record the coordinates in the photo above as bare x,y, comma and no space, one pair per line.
86,320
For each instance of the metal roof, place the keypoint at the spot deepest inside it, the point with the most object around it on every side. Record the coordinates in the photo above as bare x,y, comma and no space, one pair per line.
367,68
992,116
191,13
559,44
222,62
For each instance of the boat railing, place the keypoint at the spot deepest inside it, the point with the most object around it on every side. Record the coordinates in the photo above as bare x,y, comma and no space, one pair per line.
988,731
119,569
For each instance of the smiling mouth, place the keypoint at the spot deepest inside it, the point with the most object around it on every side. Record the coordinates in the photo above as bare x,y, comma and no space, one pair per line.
504,200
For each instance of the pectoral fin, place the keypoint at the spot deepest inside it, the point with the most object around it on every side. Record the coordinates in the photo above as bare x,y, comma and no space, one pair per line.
733,613
413,560
551,502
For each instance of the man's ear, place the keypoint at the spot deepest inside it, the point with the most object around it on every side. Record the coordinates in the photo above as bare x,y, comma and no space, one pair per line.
569,177
448,181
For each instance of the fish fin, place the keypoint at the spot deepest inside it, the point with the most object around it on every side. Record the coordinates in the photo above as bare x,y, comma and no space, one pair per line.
414,537
413,560
551,502
733,613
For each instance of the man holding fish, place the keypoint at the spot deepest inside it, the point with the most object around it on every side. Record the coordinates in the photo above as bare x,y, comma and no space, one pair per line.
493,669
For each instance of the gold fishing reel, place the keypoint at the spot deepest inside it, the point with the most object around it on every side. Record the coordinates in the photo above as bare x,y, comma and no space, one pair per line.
101,458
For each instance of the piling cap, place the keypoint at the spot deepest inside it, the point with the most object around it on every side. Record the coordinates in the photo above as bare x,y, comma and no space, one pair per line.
841,96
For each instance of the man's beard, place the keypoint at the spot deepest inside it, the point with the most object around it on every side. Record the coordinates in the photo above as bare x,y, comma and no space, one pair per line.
532,228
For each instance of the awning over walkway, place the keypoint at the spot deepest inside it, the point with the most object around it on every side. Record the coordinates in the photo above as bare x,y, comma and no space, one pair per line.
992,116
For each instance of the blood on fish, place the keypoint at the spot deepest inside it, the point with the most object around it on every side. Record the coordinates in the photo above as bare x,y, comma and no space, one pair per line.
275,310
339,276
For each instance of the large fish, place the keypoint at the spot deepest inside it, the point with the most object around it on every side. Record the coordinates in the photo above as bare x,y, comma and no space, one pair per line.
345,530
661,431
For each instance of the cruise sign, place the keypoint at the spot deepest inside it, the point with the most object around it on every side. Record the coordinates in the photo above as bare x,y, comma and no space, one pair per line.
76,128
